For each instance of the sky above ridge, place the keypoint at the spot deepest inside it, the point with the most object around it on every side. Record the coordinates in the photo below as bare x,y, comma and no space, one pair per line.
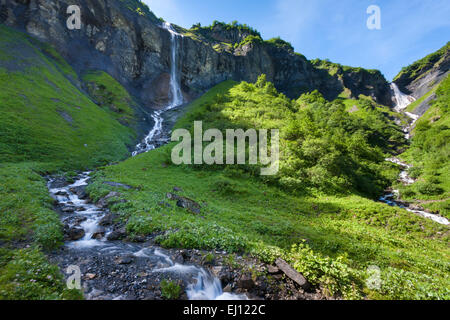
330,29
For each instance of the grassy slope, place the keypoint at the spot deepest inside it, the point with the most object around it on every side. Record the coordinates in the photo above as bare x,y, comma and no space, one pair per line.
421,67
344,235
46,124
430,153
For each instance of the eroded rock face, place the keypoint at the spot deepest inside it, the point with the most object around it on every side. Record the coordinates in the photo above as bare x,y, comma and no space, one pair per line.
427,76
135,50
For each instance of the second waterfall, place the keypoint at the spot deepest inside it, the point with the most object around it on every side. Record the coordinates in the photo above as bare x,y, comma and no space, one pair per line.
156,135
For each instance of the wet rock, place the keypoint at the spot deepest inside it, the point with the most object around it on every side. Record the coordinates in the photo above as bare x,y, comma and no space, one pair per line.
99,233
80,191
68,209
108,220
245,282
58,182
117,234
227,288
75,233
125,259
103,202
61,193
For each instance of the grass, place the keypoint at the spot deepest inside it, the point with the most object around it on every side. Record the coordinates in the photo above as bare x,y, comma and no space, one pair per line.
331,239
429,154
412,107
47,125
421,67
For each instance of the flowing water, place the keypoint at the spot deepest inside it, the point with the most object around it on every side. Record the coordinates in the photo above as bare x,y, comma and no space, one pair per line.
157,136
82,216
402,102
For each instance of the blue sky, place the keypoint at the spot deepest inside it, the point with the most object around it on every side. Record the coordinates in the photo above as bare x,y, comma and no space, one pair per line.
330,29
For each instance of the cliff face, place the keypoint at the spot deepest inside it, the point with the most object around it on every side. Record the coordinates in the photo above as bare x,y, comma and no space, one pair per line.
420,77
123,38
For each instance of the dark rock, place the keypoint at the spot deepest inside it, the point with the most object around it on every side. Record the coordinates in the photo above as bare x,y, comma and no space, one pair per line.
177,189
245,282
117,234
292,273
99,233
108,220
125,259
103,202
185,203
272,269
68,209
75,233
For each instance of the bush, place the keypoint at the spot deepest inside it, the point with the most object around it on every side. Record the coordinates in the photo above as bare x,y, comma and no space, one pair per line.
170,290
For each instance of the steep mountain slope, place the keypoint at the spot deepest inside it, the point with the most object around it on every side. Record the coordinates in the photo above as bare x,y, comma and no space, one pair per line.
124,39
46,117
421,76
430,155
329,236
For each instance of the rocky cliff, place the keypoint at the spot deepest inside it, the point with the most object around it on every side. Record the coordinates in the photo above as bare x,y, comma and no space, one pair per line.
125,39
421,76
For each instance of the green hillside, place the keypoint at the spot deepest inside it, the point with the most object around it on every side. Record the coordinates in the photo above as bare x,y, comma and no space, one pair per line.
332,237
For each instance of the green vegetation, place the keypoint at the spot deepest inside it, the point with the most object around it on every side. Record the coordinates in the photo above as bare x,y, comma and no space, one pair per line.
419,101
332,239
280,43
421,67
429,154
336,68
323,147
110,95
234,26
45,117
139,7
47,125
170,290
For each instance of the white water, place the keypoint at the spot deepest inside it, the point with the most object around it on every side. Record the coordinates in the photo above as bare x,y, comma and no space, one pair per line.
176,97
402,100
200,283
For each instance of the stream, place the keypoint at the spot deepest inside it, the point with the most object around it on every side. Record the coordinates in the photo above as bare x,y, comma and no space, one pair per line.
391,198
113,269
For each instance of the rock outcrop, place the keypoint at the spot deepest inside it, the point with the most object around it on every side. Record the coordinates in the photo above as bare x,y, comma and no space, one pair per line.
424,74
124,39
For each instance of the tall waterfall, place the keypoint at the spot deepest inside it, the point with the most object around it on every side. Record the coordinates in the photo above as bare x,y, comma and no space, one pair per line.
401,100
155,135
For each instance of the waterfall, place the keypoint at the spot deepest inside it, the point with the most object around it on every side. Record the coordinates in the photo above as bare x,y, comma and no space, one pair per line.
176,97
401,100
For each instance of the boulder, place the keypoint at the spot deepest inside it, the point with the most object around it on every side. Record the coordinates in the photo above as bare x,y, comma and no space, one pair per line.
75,234
99,233
103,202
117,234
292,273
185,203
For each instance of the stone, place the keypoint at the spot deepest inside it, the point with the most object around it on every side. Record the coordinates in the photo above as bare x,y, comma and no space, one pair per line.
99,233
125,259
117,234
292,273
272,269
108,220
103,202
245,282
90,276
75,233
